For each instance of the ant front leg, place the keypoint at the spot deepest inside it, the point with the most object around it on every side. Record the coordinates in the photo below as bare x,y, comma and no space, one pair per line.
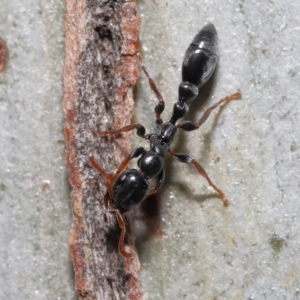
107,177
189,126
110,178
121,223
159,180
159,108
110,192
134,154
140,130
188,159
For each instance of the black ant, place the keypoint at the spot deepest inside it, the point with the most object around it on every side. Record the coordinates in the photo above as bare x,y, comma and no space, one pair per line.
127,188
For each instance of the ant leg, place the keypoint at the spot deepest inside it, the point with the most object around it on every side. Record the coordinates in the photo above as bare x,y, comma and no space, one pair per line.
140,130
122,236
109,180
134,154
188,159
106,200
189,126
107,177
159,108
159,181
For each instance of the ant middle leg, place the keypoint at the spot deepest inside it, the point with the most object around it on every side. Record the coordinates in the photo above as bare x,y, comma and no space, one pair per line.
190,126
188,159
159,108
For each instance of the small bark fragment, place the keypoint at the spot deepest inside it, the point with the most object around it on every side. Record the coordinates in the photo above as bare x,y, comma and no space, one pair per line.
3,55
99,74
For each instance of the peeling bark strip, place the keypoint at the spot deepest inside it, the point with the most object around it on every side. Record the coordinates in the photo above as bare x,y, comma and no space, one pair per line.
99,74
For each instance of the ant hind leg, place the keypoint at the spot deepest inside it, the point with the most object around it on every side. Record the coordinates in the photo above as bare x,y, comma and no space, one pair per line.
159,108
190,126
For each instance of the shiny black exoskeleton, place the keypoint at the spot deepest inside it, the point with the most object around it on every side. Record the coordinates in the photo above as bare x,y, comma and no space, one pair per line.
128,188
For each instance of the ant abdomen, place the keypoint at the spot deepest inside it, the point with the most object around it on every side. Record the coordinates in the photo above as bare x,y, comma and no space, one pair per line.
201,56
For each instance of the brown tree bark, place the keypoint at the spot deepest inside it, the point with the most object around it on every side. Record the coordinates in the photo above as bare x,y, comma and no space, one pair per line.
99,74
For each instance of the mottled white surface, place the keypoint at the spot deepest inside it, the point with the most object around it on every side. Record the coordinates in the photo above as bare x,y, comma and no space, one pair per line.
34,193
249,250
250,148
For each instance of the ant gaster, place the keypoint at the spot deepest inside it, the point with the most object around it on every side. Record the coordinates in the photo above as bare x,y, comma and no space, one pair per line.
127,188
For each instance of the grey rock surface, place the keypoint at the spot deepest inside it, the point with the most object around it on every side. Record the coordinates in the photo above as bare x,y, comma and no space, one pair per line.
34,192
250,149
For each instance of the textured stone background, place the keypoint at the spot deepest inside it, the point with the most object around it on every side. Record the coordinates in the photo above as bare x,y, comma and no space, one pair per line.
249,250
250,149
35,208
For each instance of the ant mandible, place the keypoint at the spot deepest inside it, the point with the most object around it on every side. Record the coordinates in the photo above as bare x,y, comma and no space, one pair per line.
127,188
